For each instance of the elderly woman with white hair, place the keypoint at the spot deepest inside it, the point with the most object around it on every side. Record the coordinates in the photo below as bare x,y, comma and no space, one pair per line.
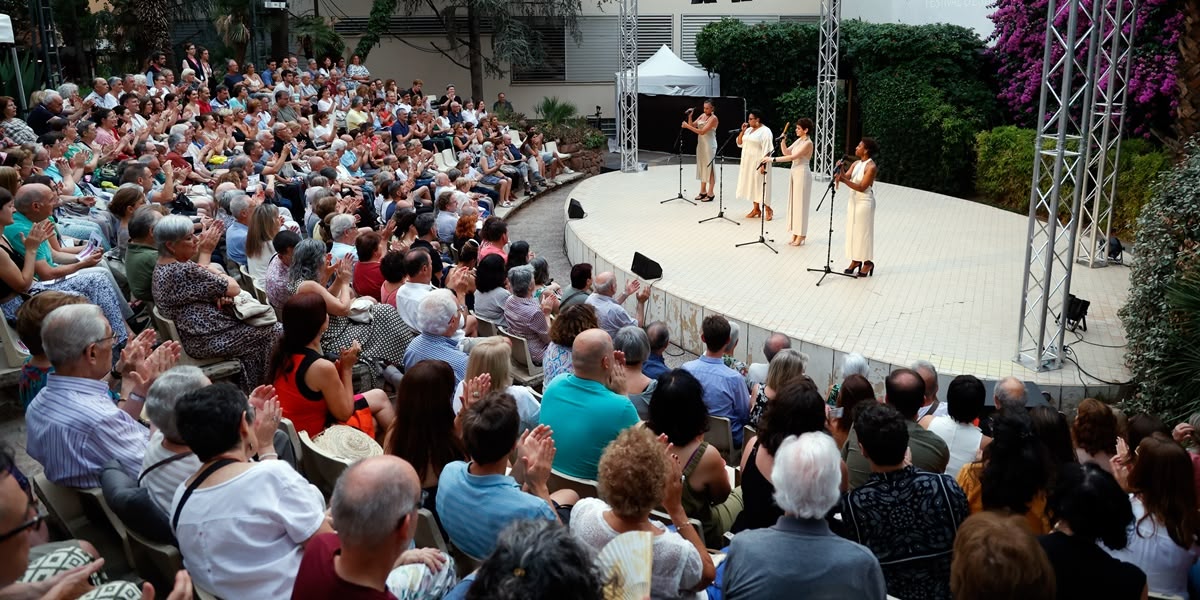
526,316
635,344
168,460
377,327
198,296
807,474
853,364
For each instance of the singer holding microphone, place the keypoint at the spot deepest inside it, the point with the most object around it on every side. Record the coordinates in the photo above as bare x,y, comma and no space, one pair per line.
705,127
756,142
799,153
860,214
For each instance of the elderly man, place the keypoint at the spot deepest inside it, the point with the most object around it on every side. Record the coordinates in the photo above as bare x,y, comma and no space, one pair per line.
502,105
100,95
73,425
1009,393
806,475
141,174
757,372
581,286
659,336
525,315
907,517
242,208
344,231
906,392
233,76
142,254
447,215
52,106
438,316
931,405
284,110
725,392
374,509
608,304
587,409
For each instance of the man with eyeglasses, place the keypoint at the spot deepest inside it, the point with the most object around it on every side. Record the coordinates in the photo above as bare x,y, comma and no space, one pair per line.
374,509
73,425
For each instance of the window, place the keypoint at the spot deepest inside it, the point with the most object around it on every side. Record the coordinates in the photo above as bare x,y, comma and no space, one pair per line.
595,58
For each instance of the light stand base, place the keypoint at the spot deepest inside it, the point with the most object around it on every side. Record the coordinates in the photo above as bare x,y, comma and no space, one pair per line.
678,197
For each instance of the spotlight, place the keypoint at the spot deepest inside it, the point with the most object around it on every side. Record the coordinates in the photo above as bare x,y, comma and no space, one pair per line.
1115,250
1077,309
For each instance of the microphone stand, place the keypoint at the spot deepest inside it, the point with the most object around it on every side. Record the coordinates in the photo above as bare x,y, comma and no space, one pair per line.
831,193
679,159
721,192
762,213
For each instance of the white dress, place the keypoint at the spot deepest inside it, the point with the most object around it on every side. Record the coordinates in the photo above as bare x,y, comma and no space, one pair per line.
860,218
1152,550
800,189
706,148
756,145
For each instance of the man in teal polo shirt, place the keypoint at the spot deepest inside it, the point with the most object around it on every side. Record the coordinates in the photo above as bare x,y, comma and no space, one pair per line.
581,408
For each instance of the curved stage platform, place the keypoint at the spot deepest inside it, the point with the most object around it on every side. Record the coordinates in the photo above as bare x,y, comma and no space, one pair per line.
947,287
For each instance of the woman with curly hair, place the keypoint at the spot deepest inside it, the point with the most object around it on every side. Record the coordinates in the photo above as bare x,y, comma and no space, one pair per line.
637,474
570,322
1163,541
1012,475
1095,433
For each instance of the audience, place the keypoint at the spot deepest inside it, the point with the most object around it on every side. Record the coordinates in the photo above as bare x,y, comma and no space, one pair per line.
854,394
536,559
526,316
608,304
437,321
757,372
1095,433
786,366
168,461
906,392
660,337
276,284
491,289
1052,429
264,226
142,254
806,474
493,356
633,343
581,286
725,392
586,409
907,517
368,274
931,407
995,558
30,317
964,402
570,323
1013,473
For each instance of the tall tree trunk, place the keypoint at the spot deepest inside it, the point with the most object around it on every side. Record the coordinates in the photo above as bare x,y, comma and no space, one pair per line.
155,26
1187,121
279,33
475,51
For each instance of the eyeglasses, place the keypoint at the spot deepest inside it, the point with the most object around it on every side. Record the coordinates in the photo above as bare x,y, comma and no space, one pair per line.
112,338
23,527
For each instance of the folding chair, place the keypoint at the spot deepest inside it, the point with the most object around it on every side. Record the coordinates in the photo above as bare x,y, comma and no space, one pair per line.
524,372
586,488
720,436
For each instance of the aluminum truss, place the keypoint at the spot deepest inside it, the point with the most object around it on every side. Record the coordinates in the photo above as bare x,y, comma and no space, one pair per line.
827,81
627,86
1065,114
1115,25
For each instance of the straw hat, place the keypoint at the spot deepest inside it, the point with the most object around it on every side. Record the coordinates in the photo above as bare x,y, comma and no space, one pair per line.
347,443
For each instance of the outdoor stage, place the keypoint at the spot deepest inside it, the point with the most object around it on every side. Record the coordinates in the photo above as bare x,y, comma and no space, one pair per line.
947,286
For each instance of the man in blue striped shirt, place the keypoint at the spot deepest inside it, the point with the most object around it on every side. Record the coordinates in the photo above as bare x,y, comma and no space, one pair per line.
73,425
437,320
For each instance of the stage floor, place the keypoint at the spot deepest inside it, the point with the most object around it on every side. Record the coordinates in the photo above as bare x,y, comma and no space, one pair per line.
947,287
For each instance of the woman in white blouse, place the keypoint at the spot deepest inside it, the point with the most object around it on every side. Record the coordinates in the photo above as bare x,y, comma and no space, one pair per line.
964,399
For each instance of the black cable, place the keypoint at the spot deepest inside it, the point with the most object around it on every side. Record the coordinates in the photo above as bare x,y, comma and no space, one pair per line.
1079,338
1067,350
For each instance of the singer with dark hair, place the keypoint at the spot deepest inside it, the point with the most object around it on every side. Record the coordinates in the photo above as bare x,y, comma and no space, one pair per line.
705,127
756,142
860,215
799,153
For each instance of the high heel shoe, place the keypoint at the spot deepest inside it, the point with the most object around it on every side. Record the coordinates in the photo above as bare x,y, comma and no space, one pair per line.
868,271
854,266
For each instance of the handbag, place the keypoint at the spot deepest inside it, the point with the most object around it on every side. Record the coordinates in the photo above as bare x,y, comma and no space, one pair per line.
251,311
360,309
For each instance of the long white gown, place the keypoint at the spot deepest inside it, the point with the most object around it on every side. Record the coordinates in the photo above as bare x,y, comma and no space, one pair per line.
860,218
756,145
706,147
800,189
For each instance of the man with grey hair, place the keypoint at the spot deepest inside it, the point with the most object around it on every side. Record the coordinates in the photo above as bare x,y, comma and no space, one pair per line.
241,206
448,204
437,321
168,461
757,372
101,95
1009,393
806,476
374,509
931,406
659,336
142,254
344,231
73,425
608,304
527,317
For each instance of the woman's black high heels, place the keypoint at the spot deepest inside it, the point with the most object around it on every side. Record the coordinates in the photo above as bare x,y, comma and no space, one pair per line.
868,270
854,266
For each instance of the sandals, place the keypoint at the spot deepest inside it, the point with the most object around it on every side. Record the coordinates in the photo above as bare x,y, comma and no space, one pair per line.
700,198
707,198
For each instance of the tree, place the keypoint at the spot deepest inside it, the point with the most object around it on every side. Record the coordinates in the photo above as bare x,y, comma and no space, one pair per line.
316,37
514,41
1187,123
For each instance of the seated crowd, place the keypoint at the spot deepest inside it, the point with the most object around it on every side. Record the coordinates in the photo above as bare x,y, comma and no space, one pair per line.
188,202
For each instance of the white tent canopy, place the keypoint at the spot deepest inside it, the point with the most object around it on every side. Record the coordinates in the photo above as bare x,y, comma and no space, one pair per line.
665,73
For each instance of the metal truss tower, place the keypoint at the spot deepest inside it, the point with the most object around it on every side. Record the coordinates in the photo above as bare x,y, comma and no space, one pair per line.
627,87
1116,23
827,81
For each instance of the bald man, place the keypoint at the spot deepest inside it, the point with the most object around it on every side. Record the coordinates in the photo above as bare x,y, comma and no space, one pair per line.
610,313
583,409
374,508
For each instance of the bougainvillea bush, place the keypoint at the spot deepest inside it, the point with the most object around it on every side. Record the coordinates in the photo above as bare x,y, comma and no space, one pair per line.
1018,46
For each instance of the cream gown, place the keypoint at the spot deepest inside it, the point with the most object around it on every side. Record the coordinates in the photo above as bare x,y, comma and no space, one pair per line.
800,189
756,145
860,218
706,147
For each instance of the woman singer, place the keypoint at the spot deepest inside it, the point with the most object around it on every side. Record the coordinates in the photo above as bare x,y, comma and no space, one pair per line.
705,128
756,142
860,215
799,153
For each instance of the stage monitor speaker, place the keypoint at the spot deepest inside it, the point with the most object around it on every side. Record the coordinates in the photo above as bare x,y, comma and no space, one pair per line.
575,210
645,268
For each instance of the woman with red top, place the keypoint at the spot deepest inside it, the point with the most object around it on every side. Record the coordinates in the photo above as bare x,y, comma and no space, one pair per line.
315,392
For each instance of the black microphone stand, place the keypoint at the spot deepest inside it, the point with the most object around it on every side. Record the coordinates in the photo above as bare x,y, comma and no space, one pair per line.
721,192
831,193
762,212
679,159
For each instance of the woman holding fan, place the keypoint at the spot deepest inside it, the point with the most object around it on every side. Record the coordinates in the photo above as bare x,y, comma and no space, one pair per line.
705,127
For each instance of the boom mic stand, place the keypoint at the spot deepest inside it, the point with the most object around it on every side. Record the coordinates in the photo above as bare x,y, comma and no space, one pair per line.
831,193
679,159
762,212
721,193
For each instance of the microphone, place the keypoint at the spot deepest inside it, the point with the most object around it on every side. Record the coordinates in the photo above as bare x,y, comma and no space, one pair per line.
688,111
735,131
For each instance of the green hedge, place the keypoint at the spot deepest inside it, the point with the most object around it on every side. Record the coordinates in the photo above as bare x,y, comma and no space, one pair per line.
1004,169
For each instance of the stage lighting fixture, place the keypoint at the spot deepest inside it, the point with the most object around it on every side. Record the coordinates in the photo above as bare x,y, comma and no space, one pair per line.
1115,250
1077,309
